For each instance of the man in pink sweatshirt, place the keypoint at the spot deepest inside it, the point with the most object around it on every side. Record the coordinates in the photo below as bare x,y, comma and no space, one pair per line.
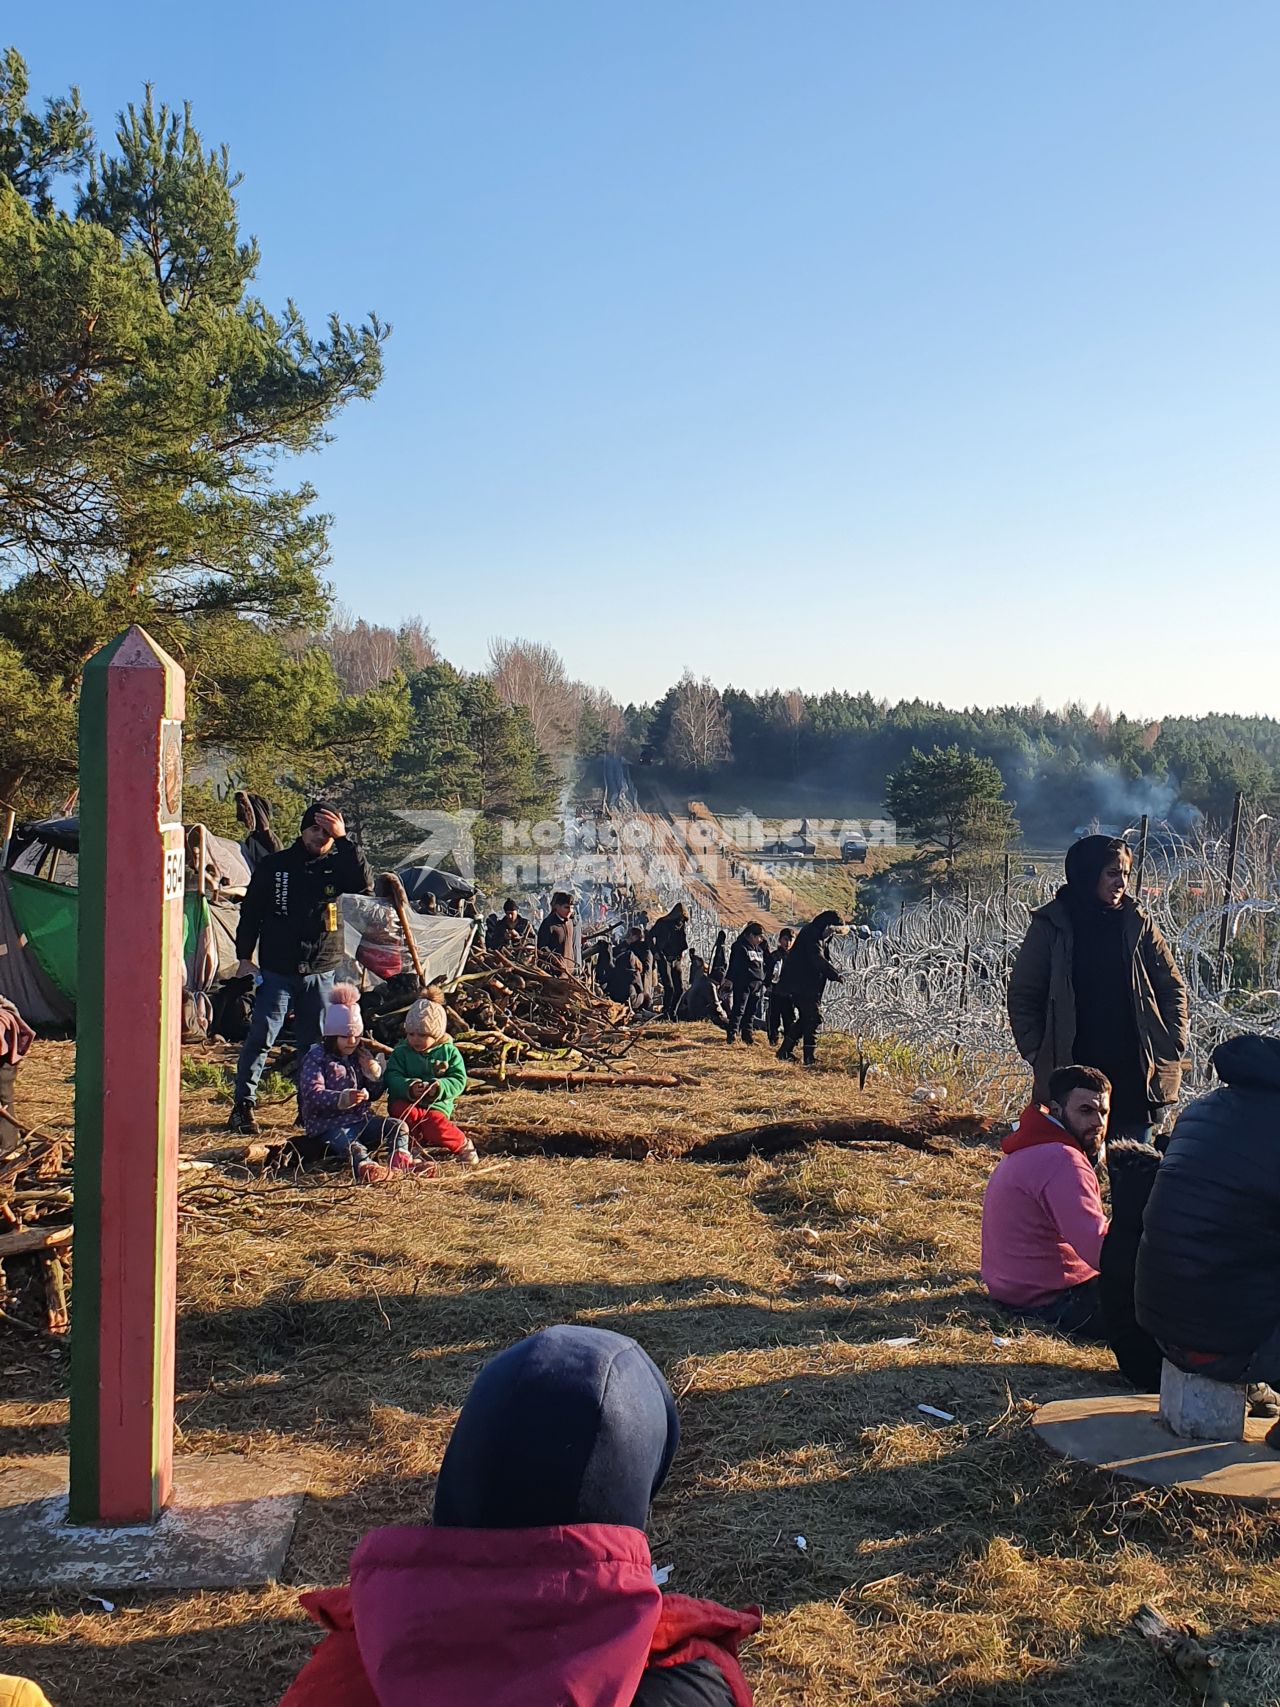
1042,1219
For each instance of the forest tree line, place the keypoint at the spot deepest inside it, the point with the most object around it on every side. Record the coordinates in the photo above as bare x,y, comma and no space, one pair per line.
149,400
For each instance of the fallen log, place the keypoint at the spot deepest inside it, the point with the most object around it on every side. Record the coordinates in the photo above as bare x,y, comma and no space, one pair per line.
32,1240
537,1141
780,1136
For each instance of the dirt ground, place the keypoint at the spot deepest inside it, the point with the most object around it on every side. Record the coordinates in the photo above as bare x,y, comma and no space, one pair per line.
945,1563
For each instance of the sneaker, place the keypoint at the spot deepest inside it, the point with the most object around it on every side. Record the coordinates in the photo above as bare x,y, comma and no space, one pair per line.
467,1156
403,1163
1263,1400
242,1120
371,1173
785,1054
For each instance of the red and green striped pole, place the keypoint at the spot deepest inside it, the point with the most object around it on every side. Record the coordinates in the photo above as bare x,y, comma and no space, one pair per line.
128,1052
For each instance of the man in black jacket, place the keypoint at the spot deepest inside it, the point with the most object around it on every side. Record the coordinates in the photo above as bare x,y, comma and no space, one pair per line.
806,972
555,935
746,978
669,940
625,980
1208,1282
510,932
779,1007
290,916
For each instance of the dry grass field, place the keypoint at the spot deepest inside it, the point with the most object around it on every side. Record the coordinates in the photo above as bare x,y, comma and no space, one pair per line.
945,1563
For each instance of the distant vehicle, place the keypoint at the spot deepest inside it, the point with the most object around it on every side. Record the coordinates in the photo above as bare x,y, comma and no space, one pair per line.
853,850
646,755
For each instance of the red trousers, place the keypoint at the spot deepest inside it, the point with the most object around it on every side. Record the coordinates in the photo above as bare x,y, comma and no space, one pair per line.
429,1126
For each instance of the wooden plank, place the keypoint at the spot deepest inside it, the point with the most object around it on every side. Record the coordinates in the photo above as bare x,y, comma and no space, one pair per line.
32,1239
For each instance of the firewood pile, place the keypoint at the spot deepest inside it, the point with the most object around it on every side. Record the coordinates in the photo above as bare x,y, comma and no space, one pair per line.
518,1023
35,1225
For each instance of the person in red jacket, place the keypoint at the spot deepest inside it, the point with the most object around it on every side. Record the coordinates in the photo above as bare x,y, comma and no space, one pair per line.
532,1586
1042,1218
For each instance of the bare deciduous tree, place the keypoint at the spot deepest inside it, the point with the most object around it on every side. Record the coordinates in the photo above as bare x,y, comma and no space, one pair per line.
795,710
527,673
366,653
699,736
601,721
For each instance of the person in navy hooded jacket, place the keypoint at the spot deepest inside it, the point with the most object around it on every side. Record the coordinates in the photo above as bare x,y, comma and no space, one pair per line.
532,1586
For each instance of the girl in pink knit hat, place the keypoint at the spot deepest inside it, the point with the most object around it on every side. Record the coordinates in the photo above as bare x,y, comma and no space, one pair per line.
337,1082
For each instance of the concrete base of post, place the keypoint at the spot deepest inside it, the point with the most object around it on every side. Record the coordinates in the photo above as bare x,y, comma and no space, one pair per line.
1125,1436
229,1525
1196,1409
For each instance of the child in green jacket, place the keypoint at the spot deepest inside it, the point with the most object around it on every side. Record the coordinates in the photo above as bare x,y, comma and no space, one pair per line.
425,1075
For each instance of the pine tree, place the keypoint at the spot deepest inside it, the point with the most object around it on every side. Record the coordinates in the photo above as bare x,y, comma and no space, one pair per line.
145,394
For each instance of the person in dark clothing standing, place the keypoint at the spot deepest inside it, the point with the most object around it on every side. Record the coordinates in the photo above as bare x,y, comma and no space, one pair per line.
778,1005
260,840
719,959
510,932
669,940
746,978
625,979
289,916
806,972
1208,1285
533,1583
597,962
555,935
1094,984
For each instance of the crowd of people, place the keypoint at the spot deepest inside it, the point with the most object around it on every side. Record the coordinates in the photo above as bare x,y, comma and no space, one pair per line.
532,1581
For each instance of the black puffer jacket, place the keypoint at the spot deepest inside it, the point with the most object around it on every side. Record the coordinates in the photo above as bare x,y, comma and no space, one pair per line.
809,968
1209,1264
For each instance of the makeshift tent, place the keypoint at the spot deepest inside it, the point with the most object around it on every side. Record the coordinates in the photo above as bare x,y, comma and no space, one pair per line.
50,849
423,880
38,948
38,923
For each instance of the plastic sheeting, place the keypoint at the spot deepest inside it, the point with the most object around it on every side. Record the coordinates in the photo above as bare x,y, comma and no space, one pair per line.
374,946
23,978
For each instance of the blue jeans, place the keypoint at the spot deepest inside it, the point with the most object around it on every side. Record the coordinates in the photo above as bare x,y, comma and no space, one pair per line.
306,993
368,1132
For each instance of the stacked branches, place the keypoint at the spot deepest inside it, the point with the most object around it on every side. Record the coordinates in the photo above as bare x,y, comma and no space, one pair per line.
35,1222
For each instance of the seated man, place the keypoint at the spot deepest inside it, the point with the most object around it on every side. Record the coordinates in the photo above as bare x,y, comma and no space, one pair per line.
701,1000
1042,1219
1208,1286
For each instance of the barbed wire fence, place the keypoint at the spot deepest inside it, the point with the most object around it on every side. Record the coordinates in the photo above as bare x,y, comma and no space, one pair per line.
925,998
931,988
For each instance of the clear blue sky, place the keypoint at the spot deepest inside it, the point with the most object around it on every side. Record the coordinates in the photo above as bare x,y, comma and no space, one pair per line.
923,346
